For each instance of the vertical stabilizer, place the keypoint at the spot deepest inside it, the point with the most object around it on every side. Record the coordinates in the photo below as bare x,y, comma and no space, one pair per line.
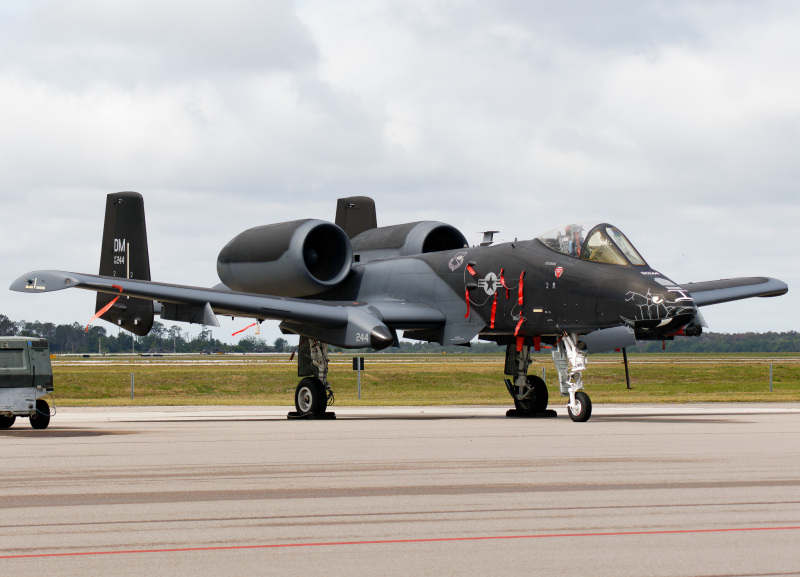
124,254
356,214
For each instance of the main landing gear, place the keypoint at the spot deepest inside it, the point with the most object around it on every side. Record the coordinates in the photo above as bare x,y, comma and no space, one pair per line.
528,391
313,393
570,362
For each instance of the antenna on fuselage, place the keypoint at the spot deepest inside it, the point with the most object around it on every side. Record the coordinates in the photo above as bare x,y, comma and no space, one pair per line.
488,237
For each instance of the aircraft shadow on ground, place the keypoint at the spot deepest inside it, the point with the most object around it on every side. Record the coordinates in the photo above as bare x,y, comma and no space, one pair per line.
61,432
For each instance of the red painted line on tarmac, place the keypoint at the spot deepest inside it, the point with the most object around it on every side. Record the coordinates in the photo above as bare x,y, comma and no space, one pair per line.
400,541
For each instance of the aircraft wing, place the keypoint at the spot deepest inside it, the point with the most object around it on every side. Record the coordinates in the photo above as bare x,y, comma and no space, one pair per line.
726,290
345,324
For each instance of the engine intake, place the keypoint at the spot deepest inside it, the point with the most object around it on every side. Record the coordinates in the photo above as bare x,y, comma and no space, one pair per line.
295,259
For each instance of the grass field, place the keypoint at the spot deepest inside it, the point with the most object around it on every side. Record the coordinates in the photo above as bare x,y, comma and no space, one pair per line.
418,380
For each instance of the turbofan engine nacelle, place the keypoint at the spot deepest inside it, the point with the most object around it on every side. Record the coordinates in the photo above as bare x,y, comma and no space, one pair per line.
293,259
407,239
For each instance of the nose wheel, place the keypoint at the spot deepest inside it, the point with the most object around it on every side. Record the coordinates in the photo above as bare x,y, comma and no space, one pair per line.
581,409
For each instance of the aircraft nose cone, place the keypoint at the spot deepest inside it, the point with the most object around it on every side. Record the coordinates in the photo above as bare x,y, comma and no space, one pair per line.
380,337
675,313
661,306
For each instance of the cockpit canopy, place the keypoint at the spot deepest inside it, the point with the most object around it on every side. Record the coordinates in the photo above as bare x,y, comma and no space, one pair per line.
598,243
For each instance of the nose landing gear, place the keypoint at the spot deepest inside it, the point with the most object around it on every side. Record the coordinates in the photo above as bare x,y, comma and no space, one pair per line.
570,362
581,408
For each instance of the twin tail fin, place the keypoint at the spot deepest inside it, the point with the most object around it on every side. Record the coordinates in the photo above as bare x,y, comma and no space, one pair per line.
124,254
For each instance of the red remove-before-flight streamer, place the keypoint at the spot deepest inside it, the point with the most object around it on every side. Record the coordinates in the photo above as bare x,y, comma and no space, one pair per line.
103,310
244,329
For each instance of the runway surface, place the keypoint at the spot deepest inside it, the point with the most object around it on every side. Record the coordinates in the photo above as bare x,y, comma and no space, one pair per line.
663,490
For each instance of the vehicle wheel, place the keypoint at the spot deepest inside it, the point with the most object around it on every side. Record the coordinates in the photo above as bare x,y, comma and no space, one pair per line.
310,397
536,402
584,409
6,422
41,418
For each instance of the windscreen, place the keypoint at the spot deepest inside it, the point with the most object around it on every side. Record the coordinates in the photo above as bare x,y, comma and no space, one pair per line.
600,249
625,246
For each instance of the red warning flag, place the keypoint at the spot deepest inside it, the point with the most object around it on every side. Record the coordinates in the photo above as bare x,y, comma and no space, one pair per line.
519,325
494,311
466,295
521,277
244,329
503,281
103,310
520,344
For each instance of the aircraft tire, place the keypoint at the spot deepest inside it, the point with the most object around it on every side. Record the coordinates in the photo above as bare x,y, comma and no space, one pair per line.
6,422
540,395
310,397
537,401
41,418
584,408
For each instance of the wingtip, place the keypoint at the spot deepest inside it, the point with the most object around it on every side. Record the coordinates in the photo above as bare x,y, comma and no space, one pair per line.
778,287
43,281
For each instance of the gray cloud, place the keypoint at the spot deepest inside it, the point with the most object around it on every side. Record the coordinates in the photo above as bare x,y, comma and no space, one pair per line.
678,122
131,42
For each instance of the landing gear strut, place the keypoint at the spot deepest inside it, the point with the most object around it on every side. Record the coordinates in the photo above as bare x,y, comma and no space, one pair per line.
570,362
313,393
528,391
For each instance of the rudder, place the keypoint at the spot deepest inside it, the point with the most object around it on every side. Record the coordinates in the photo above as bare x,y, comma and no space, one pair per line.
124,254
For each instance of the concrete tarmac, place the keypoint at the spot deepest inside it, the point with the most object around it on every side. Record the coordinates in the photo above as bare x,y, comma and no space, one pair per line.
662,490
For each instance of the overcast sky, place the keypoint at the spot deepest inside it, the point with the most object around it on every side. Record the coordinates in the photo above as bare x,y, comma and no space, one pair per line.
679,122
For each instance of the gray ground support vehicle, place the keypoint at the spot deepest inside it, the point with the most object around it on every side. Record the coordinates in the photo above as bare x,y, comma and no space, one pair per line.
25,377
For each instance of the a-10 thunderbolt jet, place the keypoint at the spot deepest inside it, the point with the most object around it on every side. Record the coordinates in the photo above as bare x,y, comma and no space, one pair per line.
579,289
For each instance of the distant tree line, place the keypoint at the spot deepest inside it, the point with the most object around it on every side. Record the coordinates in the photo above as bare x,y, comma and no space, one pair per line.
788,342
74,338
